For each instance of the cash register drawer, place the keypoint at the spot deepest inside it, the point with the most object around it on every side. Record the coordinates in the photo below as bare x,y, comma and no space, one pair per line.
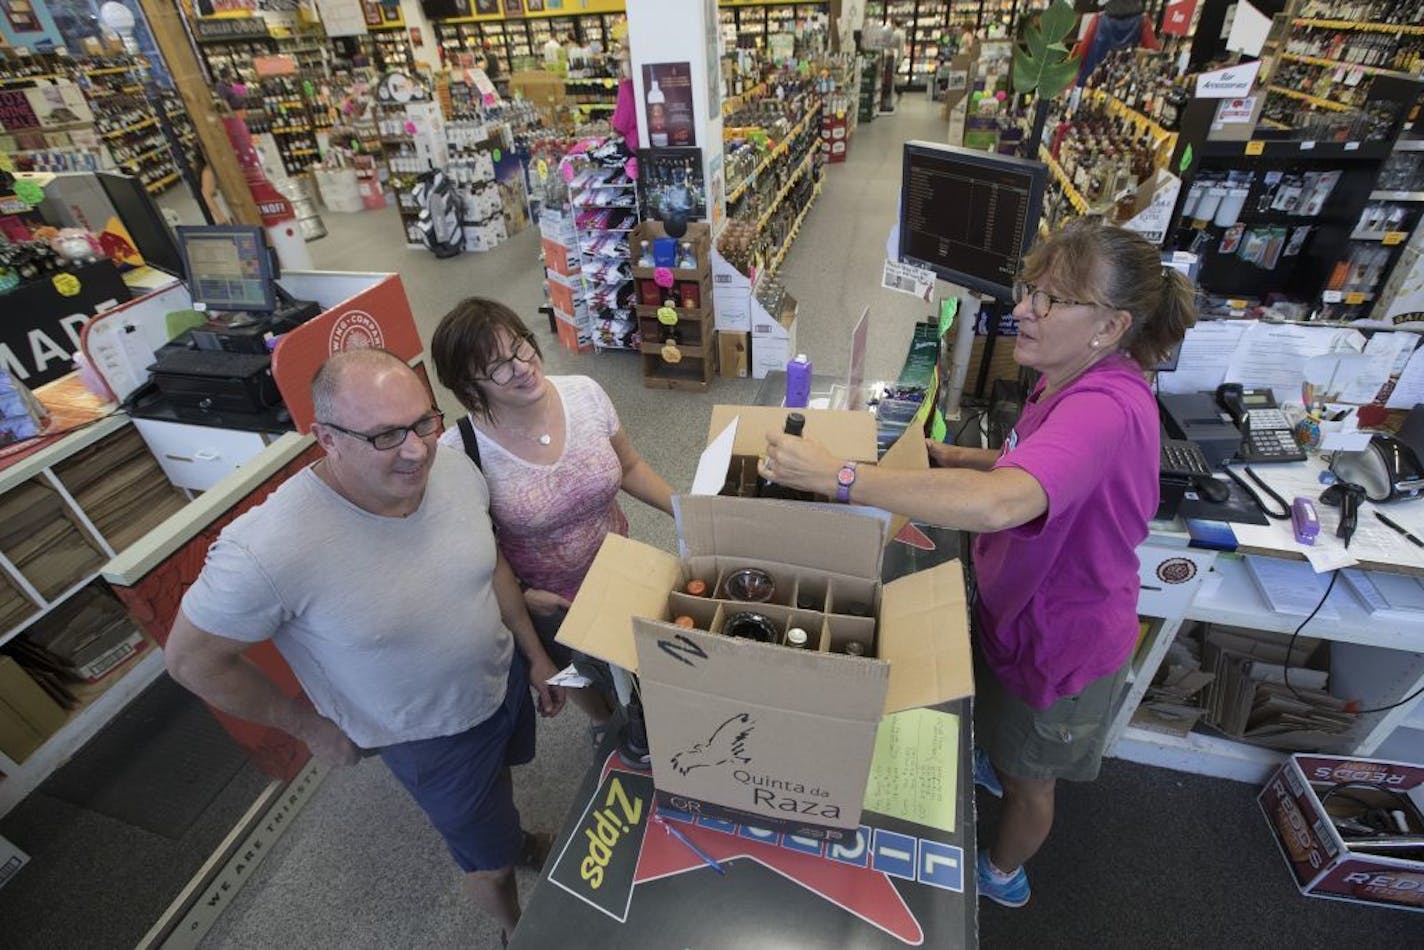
198,457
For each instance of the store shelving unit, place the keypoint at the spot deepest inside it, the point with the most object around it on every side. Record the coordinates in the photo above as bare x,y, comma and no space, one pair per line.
98,490
605,209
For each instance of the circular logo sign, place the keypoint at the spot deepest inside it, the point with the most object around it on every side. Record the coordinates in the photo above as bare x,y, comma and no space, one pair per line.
356,330
1176,570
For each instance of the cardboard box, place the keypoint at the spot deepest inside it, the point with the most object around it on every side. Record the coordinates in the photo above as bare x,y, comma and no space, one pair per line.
11,860
560,258
773,339
565,291
733,354
815,712
754,732
28,717
1323,862
732,294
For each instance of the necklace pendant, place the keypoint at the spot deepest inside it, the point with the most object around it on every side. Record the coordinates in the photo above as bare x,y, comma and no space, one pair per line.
545,439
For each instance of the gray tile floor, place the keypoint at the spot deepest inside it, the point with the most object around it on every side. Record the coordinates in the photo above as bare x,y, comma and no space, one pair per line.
360,867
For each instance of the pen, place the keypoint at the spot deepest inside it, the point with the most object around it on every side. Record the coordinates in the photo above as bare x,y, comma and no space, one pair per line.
1400,528
707,858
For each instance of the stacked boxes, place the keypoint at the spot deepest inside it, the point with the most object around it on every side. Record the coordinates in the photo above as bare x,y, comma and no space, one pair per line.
559,241
689,290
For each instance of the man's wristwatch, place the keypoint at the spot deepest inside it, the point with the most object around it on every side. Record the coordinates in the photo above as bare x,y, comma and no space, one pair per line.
845,478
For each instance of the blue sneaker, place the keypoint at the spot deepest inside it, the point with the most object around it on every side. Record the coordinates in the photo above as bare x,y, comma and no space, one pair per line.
985,776
1011,893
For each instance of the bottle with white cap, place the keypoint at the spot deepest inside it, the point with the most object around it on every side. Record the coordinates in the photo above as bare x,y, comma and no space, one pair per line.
797,639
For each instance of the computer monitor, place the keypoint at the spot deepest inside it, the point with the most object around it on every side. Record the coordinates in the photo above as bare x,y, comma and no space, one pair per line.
141,218
969,216
229,268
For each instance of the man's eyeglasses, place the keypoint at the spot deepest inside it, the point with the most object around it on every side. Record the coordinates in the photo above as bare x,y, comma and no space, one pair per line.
502,371
388,439
1041,302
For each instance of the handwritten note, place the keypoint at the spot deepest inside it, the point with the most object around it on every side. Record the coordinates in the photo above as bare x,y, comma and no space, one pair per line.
915,772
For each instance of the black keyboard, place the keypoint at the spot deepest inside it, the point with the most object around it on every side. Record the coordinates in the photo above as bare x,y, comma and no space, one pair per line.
1181,458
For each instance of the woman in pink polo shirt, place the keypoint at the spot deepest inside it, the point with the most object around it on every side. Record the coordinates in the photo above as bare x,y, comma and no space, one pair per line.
1058,512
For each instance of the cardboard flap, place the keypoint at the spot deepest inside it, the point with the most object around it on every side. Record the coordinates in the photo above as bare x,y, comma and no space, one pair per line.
820,537
924,633
908,454
847,435
633,580
741,671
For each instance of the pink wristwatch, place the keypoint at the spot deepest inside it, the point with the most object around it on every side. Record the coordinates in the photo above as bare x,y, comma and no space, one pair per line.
845,478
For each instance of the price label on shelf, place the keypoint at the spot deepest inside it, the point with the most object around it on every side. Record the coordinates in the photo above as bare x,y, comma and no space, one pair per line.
1332,296
1255,147
1352,146
1392,238
1306,146
1354,297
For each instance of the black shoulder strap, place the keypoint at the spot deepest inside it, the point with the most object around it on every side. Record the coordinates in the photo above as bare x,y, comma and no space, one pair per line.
472,444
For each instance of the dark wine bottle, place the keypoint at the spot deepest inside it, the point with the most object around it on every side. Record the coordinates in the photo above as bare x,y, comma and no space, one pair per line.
795,425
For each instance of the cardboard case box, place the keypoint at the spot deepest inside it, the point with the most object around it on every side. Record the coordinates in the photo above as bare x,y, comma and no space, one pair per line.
1320,858
758,733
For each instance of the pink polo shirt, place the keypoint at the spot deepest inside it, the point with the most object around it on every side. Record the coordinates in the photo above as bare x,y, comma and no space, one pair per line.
1058,595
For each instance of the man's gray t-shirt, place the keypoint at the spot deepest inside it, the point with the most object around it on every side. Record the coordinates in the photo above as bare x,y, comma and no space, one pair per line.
390,624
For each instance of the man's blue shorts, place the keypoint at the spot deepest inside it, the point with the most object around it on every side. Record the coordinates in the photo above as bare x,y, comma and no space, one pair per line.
462,781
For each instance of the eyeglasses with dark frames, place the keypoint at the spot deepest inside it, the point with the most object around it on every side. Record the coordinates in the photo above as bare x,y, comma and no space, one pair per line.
387,439
1041,302
502,371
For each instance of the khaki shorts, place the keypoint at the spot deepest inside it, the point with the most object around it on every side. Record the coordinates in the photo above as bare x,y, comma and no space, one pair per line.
1064,741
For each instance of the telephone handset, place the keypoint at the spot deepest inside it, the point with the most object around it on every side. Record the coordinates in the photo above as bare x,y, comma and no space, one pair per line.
1266,434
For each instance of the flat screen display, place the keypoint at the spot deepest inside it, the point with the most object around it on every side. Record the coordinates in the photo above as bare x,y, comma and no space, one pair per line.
228,268
969,216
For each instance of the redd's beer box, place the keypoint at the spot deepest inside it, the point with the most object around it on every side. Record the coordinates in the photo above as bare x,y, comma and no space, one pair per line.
745,723
1304,795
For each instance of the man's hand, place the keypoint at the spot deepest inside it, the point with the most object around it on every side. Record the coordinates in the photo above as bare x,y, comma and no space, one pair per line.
544,603
549,699
799,463
328,744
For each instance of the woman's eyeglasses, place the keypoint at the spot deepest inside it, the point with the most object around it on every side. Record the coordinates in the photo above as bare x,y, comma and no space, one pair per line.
1041,302
502,371
388,439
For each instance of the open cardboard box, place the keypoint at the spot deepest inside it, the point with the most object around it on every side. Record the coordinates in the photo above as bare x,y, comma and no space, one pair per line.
755,732
1325,863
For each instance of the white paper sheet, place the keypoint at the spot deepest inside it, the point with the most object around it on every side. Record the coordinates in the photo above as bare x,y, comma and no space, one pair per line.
1206,351
1274,354
1384,351
1409,389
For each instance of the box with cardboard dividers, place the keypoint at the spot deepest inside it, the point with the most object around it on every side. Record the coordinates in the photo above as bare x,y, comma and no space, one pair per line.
741,727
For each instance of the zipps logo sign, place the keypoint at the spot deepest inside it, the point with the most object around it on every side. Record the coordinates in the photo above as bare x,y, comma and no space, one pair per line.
356,330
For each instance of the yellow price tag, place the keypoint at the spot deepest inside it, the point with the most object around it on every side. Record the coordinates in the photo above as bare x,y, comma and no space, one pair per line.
1393,237
608,84
542,169
66,284
840,114
1354,297
1255,147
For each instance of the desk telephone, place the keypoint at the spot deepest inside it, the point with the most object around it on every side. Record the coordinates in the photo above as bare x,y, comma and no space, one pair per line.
1265,432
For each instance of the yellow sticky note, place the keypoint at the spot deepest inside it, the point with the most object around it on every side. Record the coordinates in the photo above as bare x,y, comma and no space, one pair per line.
915,772
1255,147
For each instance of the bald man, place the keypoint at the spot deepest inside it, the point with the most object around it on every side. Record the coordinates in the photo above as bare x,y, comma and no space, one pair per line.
375,573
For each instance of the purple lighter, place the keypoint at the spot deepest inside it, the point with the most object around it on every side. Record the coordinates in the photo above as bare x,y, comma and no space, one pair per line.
1304,520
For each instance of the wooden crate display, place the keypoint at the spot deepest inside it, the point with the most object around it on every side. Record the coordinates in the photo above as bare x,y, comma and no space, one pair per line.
119,485
695,324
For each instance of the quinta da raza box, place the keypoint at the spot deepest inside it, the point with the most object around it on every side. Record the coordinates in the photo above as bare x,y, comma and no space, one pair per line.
759,733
